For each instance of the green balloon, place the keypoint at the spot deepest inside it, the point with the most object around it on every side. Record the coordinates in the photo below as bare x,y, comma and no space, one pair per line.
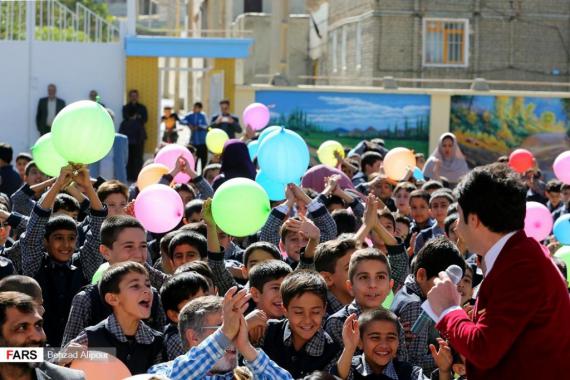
83,132
46,157
388,301
563,254
99,274
240,207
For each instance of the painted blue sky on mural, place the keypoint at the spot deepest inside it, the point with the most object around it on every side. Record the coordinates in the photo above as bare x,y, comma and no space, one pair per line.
333,110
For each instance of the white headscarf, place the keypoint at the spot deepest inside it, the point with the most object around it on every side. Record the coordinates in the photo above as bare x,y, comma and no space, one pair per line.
453,168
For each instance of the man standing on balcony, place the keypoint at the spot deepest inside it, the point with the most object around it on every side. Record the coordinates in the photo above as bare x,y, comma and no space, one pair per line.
48,107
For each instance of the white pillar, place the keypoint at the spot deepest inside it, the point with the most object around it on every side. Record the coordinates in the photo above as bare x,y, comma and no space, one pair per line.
131,17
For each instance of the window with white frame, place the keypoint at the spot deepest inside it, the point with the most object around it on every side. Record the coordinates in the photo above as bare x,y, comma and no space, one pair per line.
358,46
343,48
445,42
334,51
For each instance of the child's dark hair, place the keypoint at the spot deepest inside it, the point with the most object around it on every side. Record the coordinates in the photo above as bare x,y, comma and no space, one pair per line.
29,166
6,152
449,223
303,281
452,209
441,194
60,222
199,227
345,221
267,271
432,185
407,186
198,104
364,255
181,287
114,225
436,256
24,155
553,186
321,375
404,219
377,315
113,275
386,214
200,267
329,252
264,246
165,241
369,159
185,187
191,238
112,187
422,194
65,202
334,200
192,207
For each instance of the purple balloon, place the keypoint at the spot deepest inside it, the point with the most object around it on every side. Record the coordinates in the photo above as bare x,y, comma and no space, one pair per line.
159,208
169,154
538,221
561,167
256,115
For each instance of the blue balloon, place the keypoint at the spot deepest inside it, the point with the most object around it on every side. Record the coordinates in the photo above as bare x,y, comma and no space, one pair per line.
275,190
418,174
284,156
562,229
267,131
252,148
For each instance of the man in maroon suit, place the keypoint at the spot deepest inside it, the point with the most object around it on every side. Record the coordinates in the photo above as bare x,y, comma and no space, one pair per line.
520,326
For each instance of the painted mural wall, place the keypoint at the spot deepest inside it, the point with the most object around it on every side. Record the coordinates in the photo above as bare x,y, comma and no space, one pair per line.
488,127
349,117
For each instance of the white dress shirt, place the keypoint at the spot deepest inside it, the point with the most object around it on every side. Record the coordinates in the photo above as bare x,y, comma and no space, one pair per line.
51,109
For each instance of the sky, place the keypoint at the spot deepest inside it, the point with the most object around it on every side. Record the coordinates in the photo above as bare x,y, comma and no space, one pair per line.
332,110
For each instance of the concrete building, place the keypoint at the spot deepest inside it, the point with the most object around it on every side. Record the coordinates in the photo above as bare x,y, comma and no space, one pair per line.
517,40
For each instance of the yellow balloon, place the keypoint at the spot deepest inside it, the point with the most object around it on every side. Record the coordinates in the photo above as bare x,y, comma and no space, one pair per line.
151,174
215,140
397,163
327,150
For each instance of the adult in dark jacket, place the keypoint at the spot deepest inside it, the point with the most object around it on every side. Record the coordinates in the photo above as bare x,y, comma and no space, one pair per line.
135,117
48,108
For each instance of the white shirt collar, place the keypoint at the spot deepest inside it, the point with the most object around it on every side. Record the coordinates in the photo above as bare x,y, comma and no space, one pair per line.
493,253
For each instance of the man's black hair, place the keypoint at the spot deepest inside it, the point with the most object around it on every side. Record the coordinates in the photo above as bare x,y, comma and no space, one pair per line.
496,194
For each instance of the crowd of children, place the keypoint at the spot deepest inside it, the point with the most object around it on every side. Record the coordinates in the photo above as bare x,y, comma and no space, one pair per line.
329,288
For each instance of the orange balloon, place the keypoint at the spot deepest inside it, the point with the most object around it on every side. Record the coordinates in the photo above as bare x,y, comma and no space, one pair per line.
99,365
397,163
151,174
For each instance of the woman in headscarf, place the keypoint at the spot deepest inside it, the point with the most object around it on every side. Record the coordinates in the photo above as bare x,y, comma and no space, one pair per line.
235,163
446,161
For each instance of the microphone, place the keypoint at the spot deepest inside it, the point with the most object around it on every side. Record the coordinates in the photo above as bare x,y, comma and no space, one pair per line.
455,274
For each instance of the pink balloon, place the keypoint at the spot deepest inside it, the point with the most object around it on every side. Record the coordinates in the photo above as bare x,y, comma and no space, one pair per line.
562,167
538,221
159,208
256,115
169,154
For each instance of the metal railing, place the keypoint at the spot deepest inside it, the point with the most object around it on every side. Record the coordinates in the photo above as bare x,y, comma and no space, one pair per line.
13,20
55,22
